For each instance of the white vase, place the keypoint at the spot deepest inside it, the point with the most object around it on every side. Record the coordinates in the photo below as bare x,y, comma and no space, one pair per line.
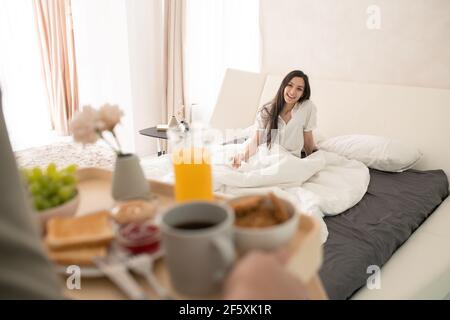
129,180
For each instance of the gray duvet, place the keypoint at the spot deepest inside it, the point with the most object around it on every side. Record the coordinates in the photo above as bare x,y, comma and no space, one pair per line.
369,233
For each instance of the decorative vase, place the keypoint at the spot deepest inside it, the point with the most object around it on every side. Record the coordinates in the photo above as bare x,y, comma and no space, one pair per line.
128,179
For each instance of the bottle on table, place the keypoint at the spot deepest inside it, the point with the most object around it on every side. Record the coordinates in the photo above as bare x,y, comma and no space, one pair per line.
191,159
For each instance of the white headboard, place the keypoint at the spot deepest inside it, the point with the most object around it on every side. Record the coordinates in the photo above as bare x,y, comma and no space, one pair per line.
238,100
418,116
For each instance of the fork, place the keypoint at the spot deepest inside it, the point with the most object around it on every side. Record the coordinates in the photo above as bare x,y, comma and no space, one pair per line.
142,264
117,272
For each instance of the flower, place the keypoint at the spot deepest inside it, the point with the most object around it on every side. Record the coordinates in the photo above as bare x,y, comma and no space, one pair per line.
90,124
109,116
84,126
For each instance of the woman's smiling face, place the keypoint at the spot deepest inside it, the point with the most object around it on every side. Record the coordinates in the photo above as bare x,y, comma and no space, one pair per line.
294,90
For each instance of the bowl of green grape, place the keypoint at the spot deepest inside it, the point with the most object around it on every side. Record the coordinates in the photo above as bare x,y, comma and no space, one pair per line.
53,191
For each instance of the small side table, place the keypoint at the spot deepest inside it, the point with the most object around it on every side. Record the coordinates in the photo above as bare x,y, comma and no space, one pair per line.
154,133
162,135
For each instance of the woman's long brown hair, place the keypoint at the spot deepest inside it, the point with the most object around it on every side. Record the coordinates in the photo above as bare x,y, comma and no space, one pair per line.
271,111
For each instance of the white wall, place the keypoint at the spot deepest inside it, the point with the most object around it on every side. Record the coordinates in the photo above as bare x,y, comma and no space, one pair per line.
329,39
117,64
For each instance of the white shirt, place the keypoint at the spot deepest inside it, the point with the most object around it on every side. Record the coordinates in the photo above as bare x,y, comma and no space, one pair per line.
290,135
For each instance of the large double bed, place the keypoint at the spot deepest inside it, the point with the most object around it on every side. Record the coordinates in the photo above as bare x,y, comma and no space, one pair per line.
364,237
393,244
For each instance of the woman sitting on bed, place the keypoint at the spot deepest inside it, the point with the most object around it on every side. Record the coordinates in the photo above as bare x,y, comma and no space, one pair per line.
288,119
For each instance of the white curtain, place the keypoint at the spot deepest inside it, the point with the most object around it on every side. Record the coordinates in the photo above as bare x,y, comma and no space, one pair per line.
119,52
55,31
220,34
25,100
174,41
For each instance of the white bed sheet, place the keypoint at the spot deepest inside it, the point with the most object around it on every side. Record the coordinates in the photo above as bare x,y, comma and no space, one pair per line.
321,184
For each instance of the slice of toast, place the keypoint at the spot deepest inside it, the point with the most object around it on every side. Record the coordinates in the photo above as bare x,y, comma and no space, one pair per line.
89,230
81,256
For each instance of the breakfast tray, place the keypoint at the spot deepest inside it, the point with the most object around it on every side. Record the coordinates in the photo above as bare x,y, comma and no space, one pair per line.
95,192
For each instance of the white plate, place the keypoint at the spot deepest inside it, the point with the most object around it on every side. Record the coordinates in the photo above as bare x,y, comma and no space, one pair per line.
93,271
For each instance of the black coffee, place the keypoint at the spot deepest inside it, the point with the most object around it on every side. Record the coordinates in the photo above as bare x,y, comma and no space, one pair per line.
195,225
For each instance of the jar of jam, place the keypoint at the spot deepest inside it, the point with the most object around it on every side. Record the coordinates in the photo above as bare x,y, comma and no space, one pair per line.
139,238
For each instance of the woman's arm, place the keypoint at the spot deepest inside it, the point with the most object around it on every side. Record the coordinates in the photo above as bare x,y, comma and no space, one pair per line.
262,117
252,146
308,144
249,150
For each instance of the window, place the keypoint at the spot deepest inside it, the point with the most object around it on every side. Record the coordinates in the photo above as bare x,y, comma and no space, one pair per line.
24,95
220,34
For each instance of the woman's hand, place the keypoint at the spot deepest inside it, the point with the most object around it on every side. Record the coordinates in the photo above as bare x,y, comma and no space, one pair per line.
237,160
308,144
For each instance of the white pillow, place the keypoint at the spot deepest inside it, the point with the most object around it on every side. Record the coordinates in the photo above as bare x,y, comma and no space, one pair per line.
374,151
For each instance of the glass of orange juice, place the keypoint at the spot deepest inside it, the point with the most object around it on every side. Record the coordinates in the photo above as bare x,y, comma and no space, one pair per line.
192,166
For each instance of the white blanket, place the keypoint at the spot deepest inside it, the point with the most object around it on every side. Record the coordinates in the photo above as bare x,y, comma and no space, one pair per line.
322,184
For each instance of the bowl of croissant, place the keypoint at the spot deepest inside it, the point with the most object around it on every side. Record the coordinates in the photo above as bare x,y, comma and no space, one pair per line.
263,222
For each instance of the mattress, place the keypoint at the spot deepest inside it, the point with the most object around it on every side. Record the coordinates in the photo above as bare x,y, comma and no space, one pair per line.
367,234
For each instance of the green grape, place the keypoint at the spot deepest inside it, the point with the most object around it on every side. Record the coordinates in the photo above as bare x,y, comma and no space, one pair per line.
39,202
54,201
68,179
72,169
51,168
59,184
35,174
44,181
34,188
74,190
46,204
66,192
52,188
54,176
46,192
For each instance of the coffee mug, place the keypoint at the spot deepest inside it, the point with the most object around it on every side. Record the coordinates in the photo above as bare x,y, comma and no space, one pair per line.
198,243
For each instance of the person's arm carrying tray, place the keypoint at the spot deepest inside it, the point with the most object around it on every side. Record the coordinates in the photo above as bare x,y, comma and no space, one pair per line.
26,273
